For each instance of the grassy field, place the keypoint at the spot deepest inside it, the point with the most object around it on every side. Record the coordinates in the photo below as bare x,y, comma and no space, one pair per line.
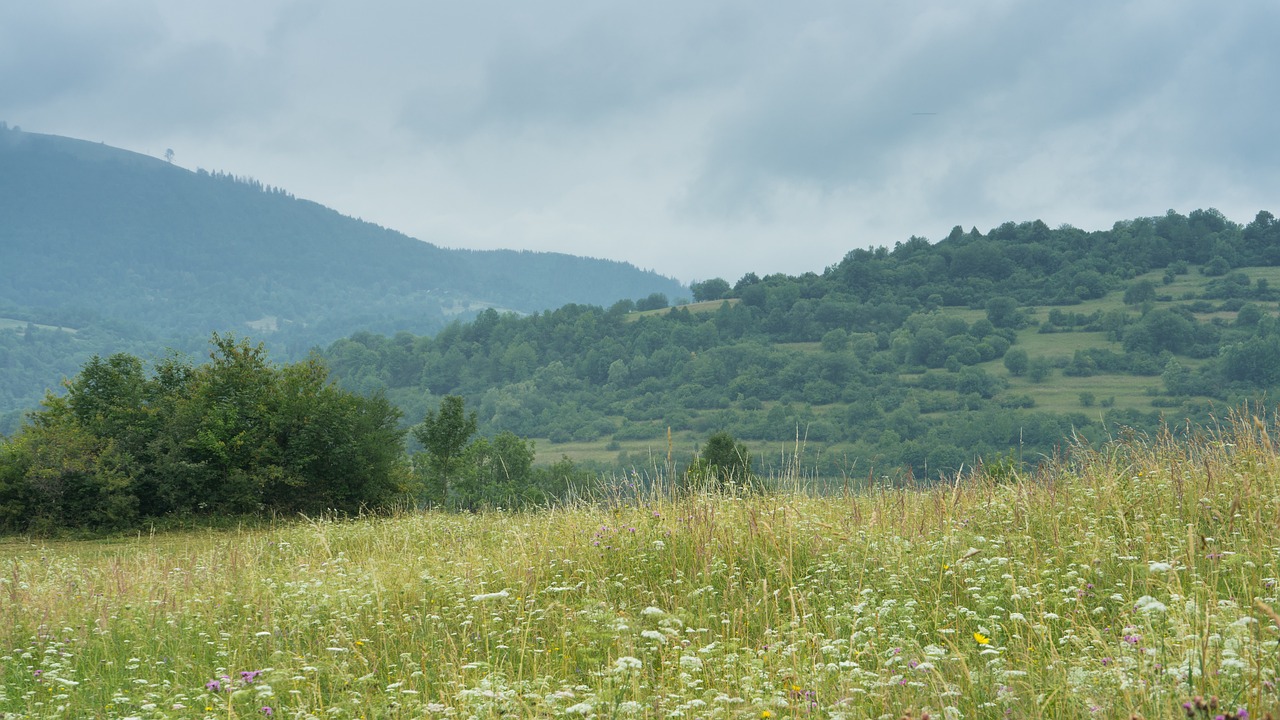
1122,585
697,308
11,324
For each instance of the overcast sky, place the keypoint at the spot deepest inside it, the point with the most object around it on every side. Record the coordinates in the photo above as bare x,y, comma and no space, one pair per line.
698,139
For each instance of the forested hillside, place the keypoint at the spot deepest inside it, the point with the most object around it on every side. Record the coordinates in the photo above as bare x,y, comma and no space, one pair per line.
103,250
924,356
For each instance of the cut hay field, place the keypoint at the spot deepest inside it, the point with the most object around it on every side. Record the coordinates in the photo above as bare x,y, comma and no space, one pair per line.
1123,583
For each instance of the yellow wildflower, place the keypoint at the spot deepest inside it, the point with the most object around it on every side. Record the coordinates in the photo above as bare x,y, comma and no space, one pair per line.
982,639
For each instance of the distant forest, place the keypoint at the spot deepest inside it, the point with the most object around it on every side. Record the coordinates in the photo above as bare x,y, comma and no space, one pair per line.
902,358
104,251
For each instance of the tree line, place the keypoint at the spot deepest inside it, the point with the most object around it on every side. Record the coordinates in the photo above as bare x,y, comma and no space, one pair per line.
234,435
865,354
238,435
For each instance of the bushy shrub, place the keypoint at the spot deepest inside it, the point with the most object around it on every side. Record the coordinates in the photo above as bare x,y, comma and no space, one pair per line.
234,435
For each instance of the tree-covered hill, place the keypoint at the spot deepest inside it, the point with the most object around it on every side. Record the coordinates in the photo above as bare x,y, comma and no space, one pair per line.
104,250
925,356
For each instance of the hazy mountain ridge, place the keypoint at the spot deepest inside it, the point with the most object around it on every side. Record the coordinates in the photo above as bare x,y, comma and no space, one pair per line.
95,237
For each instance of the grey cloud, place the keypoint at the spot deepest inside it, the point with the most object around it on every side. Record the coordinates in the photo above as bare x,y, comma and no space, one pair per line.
663,132
840,115
576,70
49,51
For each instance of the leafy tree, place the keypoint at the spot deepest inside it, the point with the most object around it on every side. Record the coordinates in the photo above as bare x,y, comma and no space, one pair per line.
1140,292
1216,267
1003,312
1038,369
57,475
1256,361
713,289
1249,315
444,434
835,341
728,459
655,301
977,381
1016,361
233,435
1160,329
496,473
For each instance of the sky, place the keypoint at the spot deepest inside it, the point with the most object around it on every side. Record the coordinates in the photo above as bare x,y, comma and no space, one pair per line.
700,140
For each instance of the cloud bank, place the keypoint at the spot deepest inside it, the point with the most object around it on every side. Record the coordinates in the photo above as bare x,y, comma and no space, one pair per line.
700,140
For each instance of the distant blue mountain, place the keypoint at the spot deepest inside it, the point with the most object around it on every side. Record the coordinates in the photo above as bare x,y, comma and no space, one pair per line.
126,249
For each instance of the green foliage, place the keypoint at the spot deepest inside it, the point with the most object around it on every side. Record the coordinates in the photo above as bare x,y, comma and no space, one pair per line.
1003,312
1255,361
497,473
1038,369
233,435
848,355
713,289
727,459
655,301
1140,292
107,251
1016,362
57,475
835,341
461,473
444,434
1216,267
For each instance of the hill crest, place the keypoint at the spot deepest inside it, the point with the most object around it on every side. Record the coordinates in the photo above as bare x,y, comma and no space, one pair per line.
151,254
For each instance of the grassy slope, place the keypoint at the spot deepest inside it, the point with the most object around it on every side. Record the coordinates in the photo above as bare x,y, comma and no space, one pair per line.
1059,393
1124,583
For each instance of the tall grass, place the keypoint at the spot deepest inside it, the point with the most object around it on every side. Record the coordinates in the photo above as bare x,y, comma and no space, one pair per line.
1125,580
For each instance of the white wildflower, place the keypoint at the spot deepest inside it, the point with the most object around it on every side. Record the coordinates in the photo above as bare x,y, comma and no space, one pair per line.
627,662
1148,604
655,636
690,662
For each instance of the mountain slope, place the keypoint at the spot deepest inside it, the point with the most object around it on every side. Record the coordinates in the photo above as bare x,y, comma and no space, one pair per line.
94,237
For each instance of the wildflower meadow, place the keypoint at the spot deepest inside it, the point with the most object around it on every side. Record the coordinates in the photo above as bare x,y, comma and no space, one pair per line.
1132,580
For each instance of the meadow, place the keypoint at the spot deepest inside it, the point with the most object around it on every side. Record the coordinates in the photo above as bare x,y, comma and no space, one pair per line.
1121,581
